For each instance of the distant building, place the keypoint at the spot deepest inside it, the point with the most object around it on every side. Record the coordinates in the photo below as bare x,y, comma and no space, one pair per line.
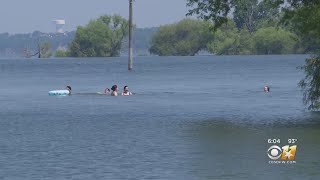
59,25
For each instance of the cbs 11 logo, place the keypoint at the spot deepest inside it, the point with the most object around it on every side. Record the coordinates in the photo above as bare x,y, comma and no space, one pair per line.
285,153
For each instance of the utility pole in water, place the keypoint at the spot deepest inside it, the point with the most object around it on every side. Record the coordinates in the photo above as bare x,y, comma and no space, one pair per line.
130,64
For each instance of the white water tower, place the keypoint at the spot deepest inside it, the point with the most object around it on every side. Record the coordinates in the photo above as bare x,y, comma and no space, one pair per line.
59,25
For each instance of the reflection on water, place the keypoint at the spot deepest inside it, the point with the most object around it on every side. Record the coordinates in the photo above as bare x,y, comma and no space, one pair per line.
190,118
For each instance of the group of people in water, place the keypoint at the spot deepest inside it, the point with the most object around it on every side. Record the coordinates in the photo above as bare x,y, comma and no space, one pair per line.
113,92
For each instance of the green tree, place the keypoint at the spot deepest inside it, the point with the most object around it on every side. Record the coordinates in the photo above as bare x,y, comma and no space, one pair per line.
62,53
245,42
310,43
311,83
45,50
229,41
185,38
274,41
304,17
225,40
100,38
214,10
246,13
268,15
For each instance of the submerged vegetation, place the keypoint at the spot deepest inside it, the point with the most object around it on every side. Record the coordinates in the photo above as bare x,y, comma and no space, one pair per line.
100,38
252,27
185,38
45,50
62,53
225,28
188,37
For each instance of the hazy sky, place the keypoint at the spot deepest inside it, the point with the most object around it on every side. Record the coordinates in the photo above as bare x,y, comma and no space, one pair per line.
21,16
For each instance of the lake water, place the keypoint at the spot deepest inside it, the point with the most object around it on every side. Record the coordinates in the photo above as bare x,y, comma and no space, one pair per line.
190,118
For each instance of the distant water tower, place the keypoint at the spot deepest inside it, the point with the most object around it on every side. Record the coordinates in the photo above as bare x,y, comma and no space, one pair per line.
59,25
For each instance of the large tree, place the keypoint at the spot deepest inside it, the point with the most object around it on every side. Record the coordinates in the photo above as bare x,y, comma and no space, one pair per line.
185,38
304,14
274,41
245,13
228,40
100,38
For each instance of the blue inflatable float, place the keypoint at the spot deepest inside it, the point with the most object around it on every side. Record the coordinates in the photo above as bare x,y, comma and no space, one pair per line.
59,93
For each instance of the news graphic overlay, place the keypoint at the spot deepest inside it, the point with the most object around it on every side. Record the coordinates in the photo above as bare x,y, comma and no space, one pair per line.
282,153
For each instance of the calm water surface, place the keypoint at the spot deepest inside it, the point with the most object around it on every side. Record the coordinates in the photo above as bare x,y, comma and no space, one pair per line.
191,118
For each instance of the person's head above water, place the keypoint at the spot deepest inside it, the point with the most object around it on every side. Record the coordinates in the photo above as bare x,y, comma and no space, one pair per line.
107,90
114,88
69,88
126,91
266,89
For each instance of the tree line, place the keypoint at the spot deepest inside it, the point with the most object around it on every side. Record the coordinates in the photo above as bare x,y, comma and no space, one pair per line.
188,37
255,30
243,27
106,37
254,27
58,44
25,45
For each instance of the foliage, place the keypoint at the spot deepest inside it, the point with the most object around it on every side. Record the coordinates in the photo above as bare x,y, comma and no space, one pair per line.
185,38
225,40
245,42
45,50
311,83
304,16
228,41
100,38
246,13
62,53
310,43
19,44
273,41
214,10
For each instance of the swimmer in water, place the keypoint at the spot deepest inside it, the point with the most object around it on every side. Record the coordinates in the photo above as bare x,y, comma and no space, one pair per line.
69,89
126,91
266,89
107,91
114,90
